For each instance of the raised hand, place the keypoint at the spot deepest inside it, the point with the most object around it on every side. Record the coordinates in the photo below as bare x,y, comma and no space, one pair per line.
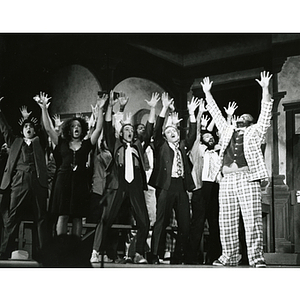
42,100
206,84
123,100
233,120
100,104
57,121
25,114
193,104
264,79
232,106
175,119
127,119
154,100
204,121
166,102
112,101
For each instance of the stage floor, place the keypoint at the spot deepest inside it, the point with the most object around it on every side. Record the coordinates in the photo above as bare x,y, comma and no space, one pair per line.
34,264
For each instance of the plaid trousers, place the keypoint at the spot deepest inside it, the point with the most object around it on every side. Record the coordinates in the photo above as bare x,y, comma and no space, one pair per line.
237,193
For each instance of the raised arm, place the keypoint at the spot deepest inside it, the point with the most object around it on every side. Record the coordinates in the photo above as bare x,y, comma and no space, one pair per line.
264,119
212,106
99,110
157,134
232,107
192,105
264,83
152,103
111,103
43,101
166,102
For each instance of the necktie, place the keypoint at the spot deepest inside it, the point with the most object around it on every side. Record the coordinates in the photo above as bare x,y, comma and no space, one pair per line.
179,162
128,164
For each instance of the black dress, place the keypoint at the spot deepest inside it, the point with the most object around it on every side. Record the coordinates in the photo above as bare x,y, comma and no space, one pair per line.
71,190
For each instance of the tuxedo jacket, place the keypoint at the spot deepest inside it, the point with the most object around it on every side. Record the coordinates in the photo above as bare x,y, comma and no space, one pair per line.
164,155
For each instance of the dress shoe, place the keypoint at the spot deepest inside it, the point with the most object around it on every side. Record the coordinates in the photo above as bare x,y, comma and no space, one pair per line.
260,264
217,263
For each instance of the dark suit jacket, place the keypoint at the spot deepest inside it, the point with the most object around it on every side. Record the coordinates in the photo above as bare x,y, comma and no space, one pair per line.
15,144
164,155
114,144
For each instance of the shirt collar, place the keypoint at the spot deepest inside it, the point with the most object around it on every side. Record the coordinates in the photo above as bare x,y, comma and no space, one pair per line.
27,141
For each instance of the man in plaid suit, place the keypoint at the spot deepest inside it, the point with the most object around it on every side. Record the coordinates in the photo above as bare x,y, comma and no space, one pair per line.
242,165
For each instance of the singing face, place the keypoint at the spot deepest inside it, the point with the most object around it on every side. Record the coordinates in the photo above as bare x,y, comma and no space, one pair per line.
28,131
127,133
76,129
244,120
172,134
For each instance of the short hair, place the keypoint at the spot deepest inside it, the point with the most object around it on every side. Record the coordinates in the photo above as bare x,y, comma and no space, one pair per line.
122,128
67,125
34,124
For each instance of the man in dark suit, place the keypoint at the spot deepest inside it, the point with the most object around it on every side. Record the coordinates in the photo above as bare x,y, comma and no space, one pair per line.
172,179
24,184
121,188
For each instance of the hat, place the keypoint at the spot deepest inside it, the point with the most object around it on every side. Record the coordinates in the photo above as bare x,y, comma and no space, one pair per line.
20,255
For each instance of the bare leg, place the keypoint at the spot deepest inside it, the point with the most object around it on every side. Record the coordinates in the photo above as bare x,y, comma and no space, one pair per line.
77,226
62,225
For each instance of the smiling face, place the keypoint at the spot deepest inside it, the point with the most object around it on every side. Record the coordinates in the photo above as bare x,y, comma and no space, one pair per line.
28,130
171,134
127,133
76,129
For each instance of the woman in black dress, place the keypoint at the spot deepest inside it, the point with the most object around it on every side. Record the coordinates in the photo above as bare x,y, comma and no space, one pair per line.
71,188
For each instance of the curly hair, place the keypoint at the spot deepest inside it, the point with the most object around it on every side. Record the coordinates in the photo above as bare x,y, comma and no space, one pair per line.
66,129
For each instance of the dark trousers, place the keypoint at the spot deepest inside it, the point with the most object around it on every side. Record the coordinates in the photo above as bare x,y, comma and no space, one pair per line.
175,197
205,206
112,240
26,198
134,192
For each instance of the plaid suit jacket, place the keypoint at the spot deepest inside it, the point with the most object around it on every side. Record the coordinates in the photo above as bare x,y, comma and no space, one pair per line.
253,138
